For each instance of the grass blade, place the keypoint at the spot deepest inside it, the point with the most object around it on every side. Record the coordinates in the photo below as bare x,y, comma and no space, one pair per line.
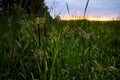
67,8
86,8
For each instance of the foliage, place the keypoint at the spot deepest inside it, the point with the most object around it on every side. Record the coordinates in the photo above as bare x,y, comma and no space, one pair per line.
36,7
68,51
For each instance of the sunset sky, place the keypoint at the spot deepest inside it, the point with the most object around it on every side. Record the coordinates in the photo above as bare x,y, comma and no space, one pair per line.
96,8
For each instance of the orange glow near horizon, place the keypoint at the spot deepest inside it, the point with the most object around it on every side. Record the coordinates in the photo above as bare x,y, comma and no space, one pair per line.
99,19
71,18
88,18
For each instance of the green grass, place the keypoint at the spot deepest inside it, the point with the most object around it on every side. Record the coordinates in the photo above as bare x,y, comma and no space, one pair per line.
68,51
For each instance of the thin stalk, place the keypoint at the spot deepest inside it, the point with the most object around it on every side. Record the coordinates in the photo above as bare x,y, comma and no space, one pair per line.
38,31
86,8
67,8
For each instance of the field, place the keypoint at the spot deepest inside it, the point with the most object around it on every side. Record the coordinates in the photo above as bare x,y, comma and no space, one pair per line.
68,50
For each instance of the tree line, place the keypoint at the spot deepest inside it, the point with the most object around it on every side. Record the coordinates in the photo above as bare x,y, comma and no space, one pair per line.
36,7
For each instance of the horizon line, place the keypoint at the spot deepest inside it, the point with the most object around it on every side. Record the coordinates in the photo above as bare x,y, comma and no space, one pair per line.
90,18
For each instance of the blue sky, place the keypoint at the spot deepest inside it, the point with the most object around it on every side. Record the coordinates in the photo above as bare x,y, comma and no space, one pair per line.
96,8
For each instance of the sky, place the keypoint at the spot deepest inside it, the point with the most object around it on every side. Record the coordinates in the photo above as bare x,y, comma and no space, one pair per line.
96,8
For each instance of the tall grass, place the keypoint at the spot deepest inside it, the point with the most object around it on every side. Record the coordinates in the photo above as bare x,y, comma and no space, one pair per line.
70,52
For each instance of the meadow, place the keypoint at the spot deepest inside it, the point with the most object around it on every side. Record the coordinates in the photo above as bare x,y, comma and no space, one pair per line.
68,50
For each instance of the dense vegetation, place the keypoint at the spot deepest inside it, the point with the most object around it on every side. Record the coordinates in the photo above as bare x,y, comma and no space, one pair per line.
35,8
69,50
